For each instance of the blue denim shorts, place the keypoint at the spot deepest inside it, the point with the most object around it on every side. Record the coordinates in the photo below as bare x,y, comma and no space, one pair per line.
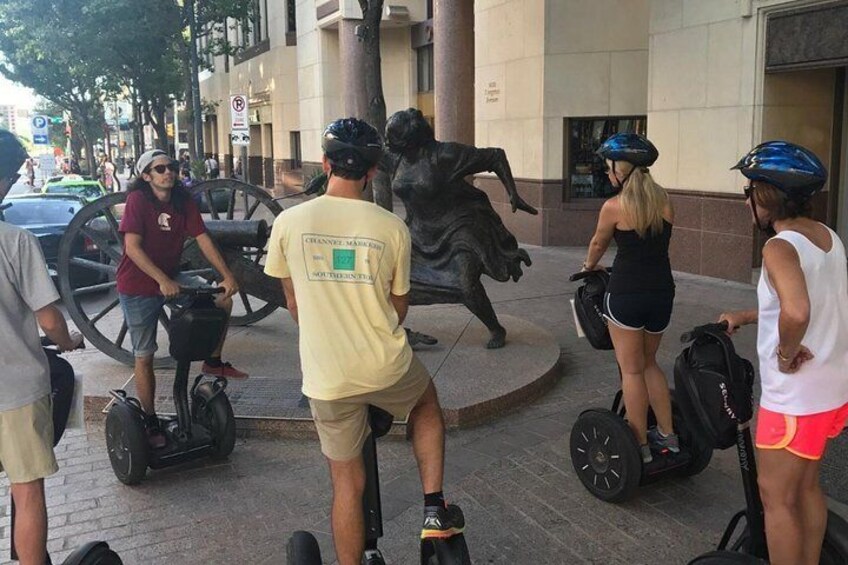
141,314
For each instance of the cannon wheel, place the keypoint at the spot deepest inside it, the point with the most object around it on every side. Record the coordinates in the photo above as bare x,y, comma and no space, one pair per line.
96,310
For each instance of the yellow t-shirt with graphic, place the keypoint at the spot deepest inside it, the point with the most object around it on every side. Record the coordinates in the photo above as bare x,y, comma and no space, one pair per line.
344,257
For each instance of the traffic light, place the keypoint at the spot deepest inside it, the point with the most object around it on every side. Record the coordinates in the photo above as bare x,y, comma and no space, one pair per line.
169,129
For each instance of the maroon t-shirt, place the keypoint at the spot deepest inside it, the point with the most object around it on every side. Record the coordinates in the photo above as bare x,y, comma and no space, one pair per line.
163,232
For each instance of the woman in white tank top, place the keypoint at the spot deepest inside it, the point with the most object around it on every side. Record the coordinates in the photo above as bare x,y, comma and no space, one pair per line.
802,345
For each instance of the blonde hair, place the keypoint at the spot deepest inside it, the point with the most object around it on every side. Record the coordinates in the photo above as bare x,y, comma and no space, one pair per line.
642,200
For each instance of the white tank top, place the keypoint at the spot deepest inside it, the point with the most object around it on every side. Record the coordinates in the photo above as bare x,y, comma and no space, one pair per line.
822,383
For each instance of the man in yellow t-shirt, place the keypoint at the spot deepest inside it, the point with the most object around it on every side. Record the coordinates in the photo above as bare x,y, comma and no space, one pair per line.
344,264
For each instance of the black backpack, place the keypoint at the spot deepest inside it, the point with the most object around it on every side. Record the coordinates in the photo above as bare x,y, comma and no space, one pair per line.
589,307
713,385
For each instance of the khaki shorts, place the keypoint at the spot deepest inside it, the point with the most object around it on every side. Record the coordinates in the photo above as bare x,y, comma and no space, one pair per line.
26,442
343,424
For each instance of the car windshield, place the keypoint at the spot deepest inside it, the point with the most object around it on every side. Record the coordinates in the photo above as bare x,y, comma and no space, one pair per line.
86,190
36,211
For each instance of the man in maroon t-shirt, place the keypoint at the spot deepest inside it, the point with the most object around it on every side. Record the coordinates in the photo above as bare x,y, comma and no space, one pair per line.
157,220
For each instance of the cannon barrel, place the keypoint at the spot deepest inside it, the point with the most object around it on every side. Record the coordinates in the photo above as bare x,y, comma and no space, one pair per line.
238,233
226,233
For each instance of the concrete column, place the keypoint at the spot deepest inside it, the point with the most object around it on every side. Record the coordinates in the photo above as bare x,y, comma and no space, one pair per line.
453,47
352,63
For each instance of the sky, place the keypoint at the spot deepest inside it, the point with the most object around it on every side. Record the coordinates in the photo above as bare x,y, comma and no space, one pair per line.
15,94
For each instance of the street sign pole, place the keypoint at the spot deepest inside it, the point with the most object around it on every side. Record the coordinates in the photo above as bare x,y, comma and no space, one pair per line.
240,130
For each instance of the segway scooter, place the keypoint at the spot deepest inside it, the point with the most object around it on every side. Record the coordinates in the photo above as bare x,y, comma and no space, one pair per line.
62,386
604,452
302,548
203,428
736,394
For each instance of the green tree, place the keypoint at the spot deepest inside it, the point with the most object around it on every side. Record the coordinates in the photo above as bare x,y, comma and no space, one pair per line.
51,47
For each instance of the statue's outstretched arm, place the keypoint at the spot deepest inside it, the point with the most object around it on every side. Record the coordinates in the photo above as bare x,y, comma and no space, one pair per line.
470,160
501,168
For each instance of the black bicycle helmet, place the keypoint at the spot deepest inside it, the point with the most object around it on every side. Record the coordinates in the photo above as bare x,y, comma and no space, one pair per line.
630,147
12,154
792,169
352,145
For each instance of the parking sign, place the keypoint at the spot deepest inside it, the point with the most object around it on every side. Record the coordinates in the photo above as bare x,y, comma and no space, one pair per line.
238,112
40,130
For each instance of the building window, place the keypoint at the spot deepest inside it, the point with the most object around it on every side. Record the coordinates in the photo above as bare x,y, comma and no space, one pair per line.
291,16
425,68
296,158
254,30
585,174
429,9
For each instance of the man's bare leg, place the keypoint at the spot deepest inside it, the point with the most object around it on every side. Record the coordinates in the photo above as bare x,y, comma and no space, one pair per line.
428,440
30,522
347,518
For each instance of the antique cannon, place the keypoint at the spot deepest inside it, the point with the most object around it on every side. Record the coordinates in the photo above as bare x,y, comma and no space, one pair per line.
238,217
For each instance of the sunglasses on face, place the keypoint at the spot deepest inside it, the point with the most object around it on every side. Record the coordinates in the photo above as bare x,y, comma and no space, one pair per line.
172,166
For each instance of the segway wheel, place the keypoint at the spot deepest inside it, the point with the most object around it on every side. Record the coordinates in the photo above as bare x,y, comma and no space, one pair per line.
701,454
93,553
727,558
450,551
303,549
605,455
834,548
126,443
216,414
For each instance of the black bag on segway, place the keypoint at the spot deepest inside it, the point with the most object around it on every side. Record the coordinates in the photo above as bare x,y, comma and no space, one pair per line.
589,307
715,386
195,330
62,392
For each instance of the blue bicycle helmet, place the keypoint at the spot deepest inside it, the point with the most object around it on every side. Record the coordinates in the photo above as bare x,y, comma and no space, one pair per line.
630,147
352,145
792,169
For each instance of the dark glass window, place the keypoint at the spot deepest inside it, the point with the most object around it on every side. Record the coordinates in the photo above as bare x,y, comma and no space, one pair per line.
425,68
291,16
585,172
296,157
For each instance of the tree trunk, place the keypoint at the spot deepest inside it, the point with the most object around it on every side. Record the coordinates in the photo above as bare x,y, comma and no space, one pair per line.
185,62
372,14
156,118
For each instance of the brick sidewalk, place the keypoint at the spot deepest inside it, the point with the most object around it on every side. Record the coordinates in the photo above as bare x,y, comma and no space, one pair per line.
513,477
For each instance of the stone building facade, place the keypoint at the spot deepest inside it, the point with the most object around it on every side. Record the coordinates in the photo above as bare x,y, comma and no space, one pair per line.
548,80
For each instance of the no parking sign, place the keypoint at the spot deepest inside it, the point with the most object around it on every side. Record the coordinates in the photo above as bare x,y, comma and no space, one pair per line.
40,130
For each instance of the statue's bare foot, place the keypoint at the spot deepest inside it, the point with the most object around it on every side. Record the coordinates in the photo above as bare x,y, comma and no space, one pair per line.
497,340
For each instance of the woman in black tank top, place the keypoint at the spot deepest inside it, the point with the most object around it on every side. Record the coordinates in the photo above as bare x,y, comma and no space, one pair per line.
640,294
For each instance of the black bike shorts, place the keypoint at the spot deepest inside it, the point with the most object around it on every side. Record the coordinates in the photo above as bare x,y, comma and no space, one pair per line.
649,311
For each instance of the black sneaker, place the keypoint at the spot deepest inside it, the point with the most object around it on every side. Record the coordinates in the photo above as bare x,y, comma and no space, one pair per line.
442,522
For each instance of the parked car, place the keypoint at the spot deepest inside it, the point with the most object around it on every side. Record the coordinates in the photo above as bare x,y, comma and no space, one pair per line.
78,185
47,216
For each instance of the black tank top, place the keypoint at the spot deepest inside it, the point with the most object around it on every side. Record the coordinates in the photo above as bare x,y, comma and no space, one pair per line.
641,265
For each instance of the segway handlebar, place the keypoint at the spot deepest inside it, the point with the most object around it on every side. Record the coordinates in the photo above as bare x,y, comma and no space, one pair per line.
201,290
47,342
698,331
584,274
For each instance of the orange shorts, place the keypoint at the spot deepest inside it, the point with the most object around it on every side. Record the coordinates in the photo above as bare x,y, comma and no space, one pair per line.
805,436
